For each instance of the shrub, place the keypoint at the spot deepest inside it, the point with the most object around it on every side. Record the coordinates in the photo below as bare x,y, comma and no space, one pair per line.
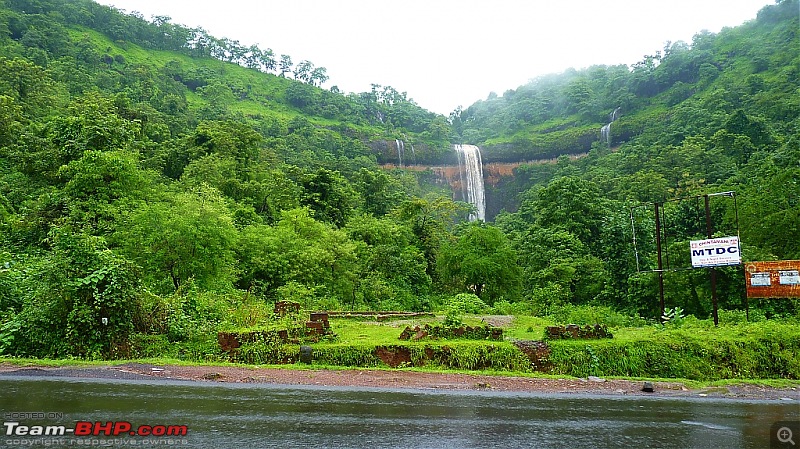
740,316
467,303
77,301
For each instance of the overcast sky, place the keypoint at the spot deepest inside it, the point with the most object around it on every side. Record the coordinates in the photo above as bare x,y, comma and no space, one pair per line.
449,53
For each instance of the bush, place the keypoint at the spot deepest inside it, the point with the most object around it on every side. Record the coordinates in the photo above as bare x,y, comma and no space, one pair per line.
466,303
76,301
309,298
740,316
504,307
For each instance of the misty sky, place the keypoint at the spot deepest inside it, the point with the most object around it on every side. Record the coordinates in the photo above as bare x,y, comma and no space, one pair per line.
447,53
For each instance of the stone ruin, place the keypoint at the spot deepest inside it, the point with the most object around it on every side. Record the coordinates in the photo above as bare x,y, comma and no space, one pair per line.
573,331
444,332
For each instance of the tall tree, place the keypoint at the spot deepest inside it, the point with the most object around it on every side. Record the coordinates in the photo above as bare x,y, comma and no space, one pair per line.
285,65
482,261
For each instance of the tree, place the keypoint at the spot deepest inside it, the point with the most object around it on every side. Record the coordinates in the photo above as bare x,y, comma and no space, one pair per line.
573,204
267,60
391,269
554,256
226,138
253,57
285,65
90,123
28,85
380,191
318,76
430,220
298,249
302,71
100,187
481,261
329,195
77,300
189,236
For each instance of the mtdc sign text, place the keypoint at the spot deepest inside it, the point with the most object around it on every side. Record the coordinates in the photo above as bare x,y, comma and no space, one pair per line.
715,252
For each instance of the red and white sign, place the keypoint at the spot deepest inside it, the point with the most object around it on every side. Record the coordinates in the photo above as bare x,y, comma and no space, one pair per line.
715,252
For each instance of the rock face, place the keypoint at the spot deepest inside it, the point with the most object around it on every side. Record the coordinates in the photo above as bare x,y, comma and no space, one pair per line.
495,176
538,352
401,153
394,356
440,169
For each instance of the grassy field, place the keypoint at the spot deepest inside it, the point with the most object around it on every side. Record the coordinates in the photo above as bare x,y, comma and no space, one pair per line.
691,349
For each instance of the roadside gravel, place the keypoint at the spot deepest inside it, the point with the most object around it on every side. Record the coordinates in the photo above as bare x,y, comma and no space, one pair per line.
376,378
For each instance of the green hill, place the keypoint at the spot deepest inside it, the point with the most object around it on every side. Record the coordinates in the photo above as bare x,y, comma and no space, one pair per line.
684,90
158,184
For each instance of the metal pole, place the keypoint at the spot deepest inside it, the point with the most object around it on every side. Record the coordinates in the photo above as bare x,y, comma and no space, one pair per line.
660,265
739,237
635,249
709,233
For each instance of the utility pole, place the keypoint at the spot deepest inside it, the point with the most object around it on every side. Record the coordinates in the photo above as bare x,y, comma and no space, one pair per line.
660,265
713,273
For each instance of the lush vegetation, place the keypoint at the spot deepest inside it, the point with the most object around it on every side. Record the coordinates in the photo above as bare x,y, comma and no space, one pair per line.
158,185
719,114
683,347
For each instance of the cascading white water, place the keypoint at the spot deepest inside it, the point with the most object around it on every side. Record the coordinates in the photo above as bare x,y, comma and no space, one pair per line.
605,131
401,150
471,172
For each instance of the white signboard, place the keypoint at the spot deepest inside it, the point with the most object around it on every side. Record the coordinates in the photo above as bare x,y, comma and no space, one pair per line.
760,279
715,252
789,277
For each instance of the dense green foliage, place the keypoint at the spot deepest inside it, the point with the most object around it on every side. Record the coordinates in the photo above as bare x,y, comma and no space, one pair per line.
158,183
719,114
146,165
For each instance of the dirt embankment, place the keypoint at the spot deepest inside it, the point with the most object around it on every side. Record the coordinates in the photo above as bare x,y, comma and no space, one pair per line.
398,379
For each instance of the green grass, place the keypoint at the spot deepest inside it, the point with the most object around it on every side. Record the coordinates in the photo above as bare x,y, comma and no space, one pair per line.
527,328
763,353
354,331
694,350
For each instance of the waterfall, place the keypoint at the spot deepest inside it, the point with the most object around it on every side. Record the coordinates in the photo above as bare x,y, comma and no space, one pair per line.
401,150
614,115
471,173
605,131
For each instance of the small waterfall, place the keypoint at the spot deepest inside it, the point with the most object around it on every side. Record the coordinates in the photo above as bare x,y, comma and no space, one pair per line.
401,150
471,172
413,153
614,115
605,131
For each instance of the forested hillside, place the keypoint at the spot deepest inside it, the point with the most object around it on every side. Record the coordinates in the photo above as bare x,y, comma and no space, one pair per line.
149,170
684,90
720,114
157,181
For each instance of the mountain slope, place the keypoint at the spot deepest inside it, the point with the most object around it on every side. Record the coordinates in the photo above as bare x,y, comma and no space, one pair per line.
751,67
